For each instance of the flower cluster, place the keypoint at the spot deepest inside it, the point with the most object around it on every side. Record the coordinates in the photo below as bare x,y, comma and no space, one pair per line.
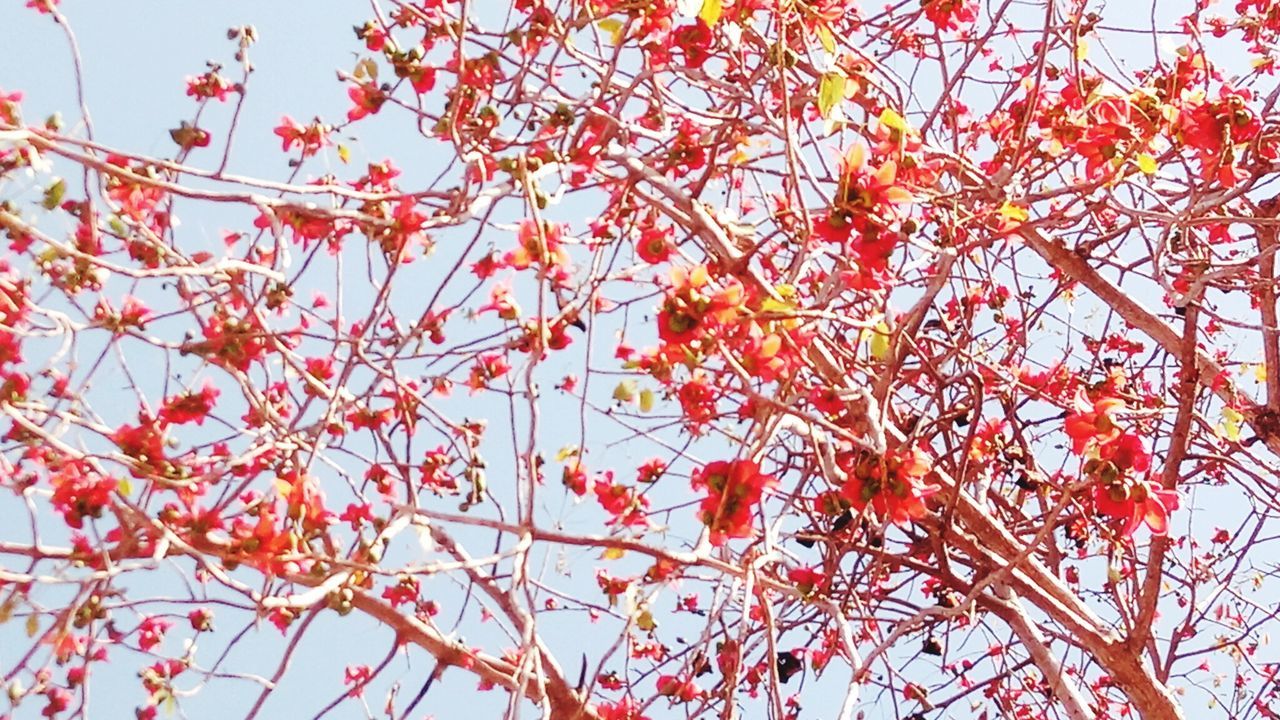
734,488
893,485
1118,461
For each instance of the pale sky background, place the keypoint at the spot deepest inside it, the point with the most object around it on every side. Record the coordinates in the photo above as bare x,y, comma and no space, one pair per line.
137,54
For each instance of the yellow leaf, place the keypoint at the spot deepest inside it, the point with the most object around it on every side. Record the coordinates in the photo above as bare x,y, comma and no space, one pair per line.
770,346
785,305
827,39
566,452
893,121
646,400
33,625
1231,419
125,487
830,92
645,621
1147,164
880,341
614,27
53,196
613,553
711,12
625,391
1260,373
366,68
344,153
283,487
1082,48
1012,212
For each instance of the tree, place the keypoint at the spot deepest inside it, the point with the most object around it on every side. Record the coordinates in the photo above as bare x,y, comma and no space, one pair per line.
694,358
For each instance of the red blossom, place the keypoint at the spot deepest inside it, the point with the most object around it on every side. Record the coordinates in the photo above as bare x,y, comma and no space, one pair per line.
310,138
151,632
357,676
189,406
209,86
893,485
1135,504
1092,421
950,14
368,99
734,489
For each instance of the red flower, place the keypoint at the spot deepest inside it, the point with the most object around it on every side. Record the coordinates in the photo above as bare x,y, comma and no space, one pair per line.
893,485
693,309
625,505
950,14
151,632
682,689
760,354
651,470
1092,421
807,580
867,191
489,366
357,676
368,99
79,493
201,619
654,245
404,591
734,489
1136,503
545,246
574,477
1215,129
695,42
311,138
697,400
612,586
1126,453
624,709
209,86
189,406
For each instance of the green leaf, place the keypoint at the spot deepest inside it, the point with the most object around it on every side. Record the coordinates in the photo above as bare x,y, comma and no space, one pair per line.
830,92
711,12
53,196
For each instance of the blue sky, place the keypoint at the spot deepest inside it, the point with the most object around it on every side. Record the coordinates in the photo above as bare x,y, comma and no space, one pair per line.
137,55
